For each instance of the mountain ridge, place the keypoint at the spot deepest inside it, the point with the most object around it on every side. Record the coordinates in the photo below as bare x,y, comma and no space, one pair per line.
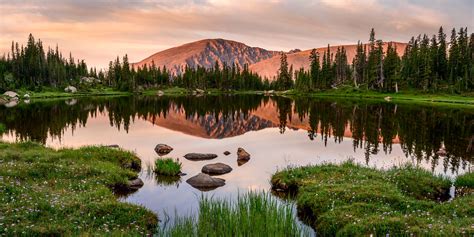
264,62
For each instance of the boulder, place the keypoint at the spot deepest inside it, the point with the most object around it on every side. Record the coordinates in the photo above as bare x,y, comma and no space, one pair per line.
216,169
11,103
242,154
199,156
160,93
135,184
26,96
163,149
226,153
205,182
89,80
10,94
70,89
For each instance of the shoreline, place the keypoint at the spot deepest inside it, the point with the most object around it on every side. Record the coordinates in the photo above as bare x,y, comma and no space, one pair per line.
405,97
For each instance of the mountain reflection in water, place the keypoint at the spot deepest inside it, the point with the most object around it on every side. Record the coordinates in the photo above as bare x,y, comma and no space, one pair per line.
434,134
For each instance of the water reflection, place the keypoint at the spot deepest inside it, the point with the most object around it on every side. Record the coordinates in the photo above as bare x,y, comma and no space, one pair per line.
434,134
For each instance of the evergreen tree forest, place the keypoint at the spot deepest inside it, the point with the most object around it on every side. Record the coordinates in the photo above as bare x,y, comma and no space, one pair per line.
429,64
32,67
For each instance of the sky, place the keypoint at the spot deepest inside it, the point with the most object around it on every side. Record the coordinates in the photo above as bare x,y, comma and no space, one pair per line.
100,30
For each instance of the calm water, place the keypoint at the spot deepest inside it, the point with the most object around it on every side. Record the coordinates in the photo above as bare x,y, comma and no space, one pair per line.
276,131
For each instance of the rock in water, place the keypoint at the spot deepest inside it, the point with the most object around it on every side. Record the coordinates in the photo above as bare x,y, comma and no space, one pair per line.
11,94
199,156
135,184
3,101
216,169
205,182
163,149
242,154
226,153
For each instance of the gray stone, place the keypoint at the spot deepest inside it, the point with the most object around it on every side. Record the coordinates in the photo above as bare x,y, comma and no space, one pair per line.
199,156
135,184
216,169
205,182
10,94
163,149
242,154
70,89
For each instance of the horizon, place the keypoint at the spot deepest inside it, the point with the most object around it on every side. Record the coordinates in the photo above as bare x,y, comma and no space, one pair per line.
100,31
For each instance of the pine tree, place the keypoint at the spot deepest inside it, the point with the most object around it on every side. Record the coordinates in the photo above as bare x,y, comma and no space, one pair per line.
442,61
314,70
284,77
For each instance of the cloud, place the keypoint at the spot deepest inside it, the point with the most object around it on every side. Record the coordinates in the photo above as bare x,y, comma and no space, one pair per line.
98,31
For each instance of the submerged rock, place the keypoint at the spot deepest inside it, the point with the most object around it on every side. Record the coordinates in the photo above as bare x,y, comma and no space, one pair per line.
205,182
216,169
200,156
135,184
242,154
163,149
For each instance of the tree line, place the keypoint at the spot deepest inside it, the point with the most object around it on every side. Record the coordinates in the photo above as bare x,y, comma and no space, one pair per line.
123,76
428,64
32,67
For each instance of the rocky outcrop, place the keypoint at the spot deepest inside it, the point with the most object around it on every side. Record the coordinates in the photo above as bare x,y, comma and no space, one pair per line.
163,149
205,182
205,53
242,154
199,156
216,169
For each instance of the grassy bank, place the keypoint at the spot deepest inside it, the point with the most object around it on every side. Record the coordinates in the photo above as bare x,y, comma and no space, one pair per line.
408,96
253,214
68,192
352,200
402,96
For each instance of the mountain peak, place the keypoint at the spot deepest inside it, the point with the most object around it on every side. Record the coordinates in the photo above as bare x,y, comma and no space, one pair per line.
205,53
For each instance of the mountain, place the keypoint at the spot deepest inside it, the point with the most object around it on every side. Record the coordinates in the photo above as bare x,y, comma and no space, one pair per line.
205,53
269,68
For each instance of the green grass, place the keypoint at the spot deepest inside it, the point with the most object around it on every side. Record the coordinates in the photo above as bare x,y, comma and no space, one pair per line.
2,128
253,214
402,96
351,200
167,166
465,184
68,192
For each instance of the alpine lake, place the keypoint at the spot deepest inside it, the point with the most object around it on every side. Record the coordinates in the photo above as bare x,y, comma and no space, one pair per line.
277,131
